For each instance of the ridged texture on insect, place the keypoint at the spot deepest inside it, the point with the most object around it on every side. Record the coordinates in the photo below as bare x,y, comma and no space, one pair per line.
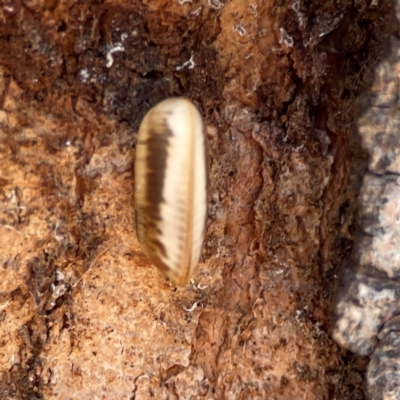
171,179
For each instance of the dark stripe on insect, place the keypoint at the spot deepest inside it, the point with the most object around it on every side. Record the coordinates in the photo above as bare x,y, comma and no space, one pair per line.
155,166
156,244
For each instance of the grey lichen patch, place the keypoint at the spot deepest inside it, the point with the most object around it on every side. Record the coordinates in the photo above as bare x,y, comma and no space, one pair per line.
380,124
364,305
383,375
367,307
379,242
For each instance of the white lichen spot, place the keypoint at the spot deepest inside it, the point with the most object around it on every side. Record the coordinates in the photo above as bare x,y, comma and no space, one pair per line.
59,275
84,75
191,309
124,36
190,64
197,286
285,38
215,4
111,50
240,30
300,15
330,25
184,1
196,12
12,359
253,9
253,89
5,305
161,322
59,238
299,315
296,149
58,290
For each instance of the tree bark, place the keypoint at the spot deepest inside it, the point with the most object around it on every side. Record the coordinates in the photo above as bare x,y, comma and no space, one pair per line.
366,313
83,313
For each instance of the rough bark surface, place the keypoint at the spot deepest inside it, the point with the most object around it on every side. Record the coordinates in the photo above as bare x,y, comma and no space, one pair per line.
83,315
367,309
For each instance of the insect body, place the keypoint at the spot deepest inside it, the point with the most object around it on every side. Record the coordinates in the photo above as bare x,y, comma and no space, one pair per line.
171,181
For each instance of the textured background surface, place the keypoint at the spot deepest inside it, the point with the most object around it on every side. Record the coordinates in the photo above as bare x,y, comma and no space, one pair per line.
83,314
367,310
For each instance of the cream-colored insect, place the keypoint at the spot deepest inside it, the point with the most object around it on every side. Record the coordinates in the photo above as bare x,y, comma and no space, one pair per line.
171,183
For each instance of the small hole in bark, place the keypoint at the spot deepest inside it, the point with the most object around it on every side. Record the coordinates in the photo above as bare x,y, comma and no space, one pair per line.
62,27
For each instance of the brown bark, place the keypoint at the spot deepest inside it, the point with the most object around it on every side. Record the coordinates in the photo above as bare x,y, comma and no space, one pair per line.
83,313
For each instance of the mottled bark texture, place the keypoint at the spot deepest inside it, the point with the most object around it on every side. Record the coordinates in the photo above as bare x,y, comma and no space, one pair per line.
83,314
367,308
